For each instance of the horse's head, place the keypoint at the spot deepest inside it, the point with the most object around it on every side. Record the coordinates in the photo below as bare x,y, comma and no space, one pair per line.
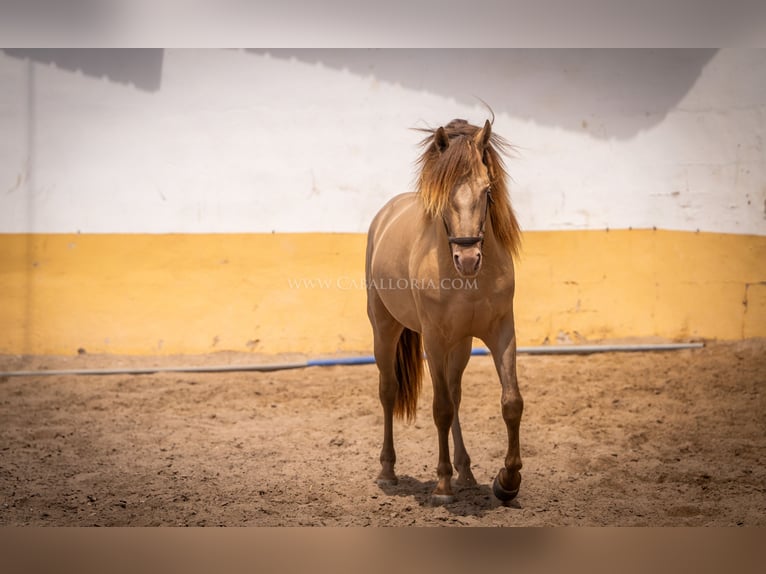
457,181
466,211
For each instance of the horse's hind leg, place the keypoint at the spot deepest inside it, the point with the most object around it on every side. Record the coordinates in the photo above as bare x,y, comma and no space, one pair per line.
386,332
457,362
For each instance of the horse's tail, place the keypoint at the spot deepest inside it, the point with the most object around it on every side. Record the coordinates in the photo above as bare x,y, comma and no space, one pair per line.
409,374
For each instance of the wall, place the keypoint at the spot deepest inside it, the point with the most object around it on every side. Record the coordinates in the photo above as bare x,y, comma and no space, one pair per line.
184,201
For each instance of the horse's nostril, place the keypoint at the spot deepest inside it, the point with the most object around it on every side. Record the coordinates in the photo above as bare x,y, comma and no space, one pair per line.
457,260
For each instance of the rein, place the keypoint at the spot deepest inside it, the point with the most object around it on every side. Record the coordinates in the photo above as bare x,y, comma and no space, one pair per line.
465,241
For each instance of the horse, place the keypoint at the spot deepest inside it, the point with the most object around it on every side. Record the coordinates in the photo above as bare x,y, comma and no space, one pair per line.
439,271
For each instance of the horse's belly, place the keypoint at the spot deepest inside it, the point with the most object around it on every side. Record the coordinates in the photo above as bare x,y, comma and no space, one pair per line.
398,300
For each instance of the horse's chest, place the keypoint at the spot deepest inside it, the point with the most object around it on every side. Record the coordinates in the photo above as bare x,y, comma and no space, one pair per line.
464,308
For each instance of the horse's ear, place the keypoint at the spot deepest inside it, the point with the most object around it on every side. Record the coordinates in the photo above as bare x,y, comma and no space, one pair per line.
482,136
441,139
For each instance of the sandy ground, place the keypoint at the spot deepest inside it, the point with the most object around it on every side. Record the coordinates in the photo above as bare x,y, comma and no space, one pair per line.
656,439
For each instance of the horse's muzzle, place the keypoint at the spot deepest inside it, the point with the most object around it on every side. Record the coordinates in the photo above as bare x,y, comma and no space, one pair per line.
467,260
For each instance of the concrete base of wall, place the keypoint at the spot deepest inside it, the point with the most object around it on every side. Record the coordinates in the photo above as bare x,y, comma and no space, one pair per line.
287,293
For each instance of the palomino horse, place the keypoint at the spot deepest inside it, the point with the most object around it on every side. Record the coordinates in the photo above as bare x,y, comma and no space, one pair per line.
439,271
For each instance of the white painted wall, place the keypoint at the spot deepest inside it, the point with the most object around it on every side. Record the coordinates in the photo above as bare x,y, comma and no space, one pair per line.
253,141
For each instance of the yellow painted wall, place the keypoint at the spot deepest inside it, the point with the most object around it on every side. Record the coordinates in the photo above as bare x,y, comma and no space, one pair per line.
275,293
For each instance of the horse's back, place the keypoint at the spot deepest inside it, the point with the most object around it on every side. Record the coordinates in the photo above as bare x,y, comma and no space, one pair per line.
394,208
389,227
390,241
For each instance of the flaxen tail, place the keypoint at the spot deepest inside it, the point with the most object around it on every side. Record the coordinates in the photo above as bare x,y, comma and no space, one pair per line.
409,374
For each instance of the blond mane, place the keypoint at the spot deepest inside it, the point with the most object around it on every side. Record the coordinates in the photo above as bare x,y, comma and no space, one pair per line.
441,170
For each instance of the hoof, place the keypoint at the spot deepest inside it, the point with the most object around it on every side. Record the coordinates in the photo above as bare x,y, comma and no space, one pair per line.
386,480
502,493
467,480
441,499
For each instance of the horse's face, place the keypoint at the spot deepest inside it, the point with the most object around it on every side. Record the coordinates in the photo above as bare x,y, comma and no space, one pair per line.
467,209
465,219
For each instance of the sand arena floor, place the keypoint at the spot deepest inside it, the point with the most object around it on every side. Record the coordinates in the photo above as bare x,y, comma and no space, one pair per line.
656,439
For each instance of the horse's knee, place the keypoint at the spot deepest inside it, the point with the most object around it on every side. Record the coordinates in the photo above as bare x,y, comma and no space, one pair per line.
444,412
512,407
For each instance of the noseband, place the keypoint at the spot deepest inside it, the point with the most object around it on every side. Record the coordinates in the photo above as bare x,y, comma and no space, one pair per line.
465,241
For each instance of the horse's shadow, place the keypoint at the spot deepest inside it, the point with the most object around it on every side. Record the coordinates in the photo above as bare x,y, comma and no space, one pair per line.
469,500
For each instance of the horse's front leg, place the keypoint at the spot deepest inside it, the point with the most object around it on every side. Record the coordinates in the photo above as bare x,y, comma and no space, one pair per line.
443,412
503,348
458,359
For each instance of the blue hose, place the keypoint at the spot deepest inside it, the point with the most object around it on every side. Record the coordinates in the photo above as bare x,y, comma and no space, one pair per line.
541,350
364,360
361,360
